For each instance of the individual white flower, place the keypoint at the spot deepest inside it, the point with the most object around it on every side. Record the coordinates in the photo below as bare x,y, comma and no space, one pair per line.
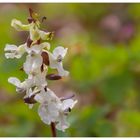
52,109
12,51
64,108
20,86
56,58
48,109
33,64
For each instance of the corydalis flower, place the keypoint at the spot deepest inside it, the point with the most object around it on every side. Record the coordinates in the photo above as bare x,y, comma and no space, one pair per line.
48,106
34,60
64,108
56,58
32,64
52,109
33,28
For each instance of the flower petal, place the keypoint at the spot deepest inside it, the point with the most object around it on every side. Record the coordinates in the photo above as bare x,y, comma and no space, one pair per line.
19,26
69,103
62,123
45,117
61,70
15,81
34,33
51,96
45,35
9,47
39,98
14,51
33,49
60,51
32,64
9,55
40,79
21,49
37,62
37,48
47,113
45,45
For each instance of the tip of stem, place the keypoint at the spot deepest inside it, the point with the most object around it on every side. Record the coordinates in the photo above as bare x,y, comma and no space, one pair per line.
30,12
53,129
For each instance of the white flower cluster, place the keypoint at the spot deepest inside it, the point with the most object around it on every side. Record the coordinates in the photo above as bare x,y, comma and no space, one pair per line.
38,59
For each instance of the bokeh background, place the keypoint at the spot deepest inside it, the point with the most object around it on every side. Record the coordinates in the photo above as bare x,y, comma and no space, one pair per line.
104,64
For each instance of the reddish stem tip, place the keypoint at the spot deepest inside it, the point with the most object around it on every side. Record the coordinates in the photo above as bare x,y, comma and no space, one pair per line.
53,129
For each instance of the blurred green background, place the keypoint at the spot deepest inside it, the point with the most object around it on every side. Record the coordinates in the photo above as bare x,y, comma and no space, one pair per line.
104,64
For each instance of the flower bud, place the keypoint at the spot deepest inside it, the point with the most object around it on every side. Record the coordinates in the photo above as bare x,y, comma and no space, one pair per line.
53,77
45,58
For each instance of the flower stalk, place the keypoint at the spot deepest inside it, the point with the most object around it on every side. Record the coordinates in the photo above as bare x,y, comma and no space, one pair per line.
53,129
52,109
